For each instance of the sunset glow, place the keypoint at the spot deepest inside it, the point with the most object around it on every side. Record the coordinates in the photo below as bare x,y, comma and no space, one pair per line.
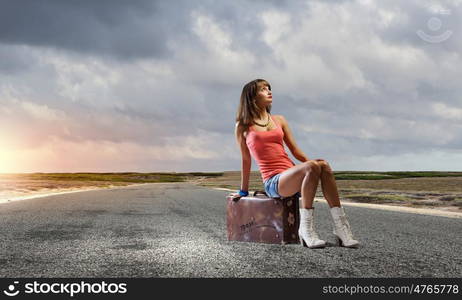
9,162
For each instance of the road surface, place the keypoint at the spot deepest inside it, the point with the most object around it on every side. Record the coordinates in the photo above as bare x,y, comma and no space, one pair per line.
179,230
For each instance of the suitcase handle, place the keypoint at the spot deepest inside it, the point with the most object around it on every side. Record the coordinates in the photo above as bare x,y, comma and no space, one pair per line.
255,193
260,192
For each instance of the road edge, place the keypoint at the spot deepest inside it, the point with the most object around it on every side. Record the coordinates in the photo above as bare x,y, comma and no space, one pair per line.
422,211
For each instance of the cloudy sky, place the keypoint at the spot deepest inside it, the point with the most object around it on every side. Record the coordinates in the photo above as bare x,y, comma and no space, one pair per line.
154,85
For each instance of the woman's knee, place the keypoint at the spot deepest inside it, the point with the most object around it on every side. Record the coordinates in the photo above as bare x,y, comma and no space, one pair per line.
312,167
325,167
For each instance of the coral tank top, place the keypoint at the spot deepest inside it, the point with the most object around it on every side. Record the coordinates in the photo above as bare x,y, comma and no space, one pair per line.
267,148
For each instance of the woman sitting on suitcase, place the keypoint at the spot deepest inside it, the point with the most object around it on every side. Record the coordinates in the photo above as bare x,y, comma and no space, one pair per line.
262,135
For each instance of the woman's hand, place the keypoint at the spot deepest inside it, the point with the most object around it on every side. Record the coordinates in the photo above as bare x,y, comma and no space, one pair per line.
235,196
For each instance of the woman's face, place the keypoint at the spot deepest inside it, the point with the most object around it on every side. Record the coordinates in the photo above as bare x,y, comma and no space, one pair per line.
264,95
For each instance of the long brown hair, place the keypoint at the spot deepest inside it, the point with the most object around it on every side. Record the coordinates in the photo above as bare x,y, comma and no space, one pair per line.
248,109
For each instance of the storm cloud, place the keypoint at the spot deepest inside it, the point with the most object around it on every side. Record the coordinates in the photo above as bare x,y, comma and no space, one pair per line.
154,85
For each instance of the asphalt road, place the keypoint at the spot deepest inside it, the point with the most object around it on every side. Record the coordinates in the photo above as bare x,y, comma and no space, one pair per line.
179,230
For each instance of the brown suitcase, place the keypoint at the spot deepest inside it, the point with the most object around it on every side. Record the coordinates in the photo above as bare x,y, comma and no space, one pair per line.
261,219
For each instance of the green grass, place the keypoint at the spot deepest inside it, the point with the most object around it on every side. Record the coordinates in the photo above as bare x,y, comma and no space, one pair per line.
117,177
368,198
181,177
357,175
457,202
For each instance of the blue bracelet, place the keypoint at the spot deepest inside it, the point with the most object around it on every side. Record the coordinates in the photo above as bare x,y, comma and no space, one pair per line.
243,193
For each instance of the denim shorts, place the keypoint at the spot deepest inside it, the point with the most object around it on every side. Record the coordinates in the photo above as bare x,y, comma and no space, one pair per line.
271,186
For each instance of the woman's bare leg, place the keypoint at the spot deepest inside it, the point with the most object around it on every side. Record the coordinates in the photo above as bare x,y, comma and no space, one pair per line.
305,178
328,184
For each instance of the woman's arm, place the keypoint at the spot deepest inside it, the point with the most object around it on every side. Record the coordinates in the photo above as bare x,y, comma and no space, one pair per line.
290,140
246,159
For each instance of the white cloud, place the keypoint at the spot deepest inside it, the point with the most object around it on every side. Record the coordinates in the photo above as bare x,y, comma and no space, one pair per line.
87,80
278,26
430,160
447,112
220,60
43,112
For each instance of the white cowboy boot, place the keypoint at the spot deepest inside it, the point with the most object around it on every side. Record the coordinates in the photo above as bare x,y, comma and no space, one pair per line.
308,237
342,228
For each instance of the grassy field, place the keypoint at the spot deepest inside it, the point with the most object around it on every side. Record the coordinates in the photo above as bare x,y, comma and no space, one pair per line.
413,189
131,177
17,185
416,189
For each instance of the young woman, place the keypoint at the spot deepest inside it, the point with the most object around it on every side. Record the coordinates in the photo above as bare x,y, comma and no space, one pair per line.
262,135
